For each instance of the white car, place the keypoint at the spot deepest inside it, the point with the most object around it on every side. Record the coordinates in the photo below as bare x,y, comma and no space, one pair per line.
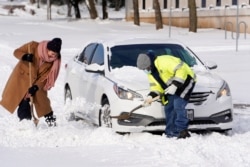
105,75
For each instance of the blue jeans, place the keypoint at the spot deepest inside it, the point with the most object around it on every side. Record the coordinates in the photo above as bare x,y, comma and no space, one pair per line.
176,116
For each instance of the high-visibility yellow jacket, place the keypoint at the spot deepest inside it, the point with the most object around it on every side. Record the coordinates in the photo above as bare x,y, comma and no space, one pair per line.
171,70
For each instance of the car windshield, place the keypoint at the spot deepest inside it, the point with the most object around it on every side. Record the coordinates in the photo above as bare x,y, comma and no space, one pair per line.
126,55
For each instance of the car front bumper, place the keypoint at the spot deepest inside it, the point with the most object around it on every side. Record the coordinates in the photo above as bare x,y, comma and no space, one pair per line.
139,123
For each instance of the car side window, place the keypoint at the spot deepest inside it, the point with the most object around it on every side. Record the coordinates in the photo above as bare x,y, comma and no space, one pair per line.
87,53
98,56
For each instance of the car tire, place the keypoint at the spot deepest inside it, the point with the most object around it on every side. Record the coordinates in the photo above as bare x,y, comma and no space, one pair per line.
68,97
227,132
67,94
104,114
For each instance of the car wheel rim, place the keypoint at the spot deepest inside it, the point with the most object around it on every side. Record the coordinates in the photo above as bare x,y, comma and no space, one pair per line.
105,116
68,95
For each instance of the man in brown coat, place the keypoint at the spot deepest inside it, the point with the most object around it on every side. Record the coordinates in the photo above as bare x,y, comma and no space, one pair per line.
44,59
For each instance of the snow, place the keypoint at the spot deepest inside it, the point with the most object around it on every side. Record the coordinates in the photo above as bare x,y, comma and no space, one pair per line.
83,144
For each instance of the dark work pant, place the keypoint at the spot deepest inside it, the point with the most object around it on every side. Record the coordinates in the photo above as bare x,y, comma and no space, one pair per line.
176,116
23,111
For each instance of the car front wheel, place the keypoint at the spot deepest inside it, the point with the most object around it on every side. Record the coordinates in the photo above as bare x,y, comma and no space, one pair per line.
104,114
67,98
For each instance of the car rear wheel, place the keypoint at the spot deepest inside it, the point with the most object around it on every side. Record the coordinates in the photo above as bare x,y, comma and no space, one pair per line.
104,114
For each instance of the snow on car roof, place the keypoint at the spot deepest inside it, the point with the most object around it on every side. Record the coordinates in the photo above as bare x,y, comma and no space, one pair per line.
135,40
140,41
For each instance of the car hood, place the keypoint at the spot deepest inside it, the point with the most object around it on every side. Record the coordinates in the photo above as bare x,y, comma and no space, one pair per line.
130,77
206,79
135,79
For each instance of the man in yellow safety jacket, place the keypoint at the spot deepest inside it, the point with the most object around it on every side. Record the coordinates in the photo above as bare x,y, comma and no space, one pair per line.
173,80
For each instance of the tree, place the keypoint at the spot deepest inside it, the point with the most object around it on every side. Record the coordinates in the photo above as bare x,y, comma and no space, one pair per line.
117,5
104,10
158,17
136,13
38,3
192,16
92,9
76,8
32,1
69,5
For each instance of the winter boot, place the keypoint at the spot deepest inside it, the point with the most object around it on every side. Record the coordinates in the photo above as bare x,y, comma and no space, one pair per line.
50,119
183,134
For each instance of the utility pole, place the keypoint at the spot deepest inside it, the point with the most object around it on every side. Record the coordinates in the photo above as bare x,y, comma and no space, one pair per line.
48,10
169,19
237,26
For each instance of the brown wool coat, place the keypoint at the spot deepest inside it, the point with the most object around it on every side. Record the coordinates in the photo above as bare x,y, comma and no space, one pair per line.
18,82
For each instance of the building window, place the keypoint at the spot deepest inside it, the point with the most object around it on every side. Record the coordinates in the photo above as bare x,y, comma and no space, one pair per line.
144,4
234,2
203,3
218,2
177,4
165,4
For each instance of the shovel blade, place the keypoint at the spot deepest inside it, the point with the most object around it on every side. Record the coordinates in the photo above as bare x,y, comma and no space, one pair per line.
123,116
127,115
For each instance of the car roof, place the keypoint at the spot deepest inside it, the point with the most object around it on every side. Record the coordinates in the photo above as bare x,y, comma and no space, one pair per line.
135,40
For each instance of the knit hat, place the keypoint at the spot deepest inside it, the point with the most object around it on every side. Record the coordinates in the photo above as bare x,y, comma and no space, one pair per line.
55,45
143,61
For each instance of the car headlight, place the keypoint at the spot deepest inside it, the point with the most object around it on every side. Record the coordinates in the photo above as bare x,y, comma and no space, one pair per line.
224,90
123,93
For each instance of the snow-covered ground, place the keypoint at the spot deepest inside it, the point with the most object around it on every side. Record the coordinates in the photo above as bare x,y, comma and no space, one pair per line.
82,144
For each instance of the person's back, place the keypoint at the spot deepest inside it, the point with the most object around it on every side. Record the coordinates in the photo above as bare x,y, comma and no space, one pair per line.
173,70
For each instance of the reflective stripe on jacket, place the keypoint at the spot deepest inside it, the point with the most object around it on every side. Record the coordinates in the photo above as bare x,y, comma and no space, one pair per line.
173,70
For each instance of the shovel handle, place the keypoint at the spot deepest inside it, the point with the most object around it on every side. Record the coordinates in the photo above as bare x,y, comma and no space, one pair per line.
35,119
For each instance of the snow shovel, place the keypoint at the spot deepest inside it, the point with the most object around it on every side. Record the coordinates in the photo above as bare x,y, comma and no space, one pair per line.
128,115
35,120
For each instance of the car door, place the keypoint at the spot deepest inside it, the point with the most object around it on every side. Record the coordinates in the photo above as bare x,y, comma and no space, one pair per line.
81,76
94,86
96,83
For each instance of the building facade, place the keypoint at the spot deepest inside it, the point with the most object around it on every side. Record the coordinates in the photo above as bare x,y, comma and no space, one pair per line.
220,14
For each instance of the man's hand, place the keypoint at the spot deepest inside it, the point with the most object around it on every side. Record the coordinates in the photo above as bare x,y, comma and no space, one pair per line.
148,101
171,89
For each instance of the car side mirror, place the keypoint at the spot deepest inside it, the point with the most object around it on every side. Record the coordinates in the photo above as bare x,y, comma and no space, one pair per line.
210,65
95,68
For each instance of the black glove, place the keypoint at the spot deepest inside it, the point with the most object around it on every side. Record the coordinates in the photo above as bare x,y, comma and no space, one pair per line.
28,57
33,89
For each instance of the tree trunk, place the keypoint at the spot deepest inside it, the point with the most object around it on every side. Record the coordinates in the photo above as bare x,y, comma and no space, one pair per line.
117,5
104,10
136,13
76,8
69,5
158,17
92,9
192,16
38,4
32,1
